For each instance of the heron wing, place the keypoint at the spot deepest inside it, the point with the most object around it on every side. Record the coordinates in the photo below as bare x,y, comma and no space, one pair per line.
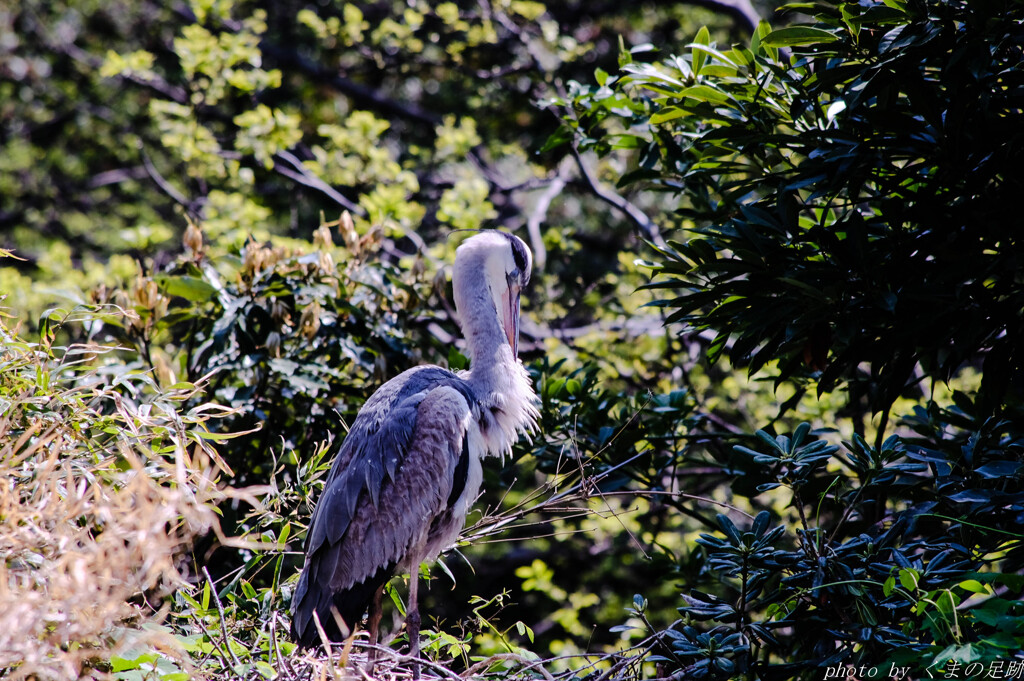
376,443
396,473
387,532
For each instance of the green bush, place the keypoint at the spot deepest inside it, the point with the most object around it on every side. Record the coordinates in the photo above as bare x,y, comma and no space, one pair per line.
108,479
848,196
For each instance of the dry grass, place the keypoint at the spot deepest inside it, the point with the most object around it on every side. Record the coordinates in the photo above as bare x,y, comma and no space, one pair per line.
103,484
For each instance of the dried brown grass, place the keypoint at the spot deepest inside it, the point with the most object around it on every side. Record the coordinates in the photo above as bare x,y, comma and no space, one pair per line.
102,489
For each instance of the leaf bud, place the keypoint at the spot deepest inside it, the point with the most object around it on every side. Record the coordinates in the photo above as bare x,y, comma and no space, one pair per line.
322,237
309,322
193,239
326,262
254,258
273,344
348,231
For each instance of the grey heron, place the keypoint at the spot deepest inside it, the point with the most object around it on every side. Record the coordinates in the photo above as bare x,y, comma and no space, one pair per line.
407,472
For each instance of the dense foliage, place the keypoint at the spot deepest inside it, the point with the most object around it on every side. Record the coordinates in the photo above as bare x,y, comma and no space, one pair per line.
793,448
107,482
851,224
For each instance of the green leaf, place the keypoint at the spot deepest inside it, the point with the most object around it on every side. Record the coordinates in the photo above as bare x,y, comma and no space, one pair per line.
625,56
899,5
704,93
189,288
757,45
800,434
909,578
560,137
718,71
973,585
703,38
668,114
395,598
215,437
798,35
185,676
133,659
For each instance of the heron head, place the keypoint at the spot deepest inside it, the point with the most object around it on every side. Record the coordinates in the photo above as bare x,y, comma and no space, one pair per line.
506,263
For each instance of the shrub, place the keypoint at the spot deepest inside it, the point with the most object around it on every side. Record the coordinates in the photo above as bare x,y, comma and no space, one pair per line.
847,201
107,480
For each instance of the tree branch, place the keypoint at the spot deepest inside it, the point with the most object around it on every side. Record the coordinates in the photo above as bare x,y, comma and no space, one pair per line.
540,212
648,227
163,184
740,11
301,174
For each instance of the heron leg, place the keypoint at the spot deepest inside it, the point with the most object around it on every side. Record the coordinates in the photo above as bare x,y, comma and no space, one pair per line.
412,621
373,626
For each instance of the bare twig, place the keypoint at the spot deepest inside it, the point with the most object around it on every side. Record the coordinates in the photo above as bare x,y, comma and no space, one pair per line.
301,174
117,176
286,665
223,656
527,664
647,227
741,11
401,658
326,643
540,211
151,81
220,611
164,185
362,95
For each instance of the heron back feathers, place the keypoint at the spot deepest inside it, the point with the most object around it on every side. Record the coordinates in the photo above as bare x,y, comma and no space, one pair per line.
392,497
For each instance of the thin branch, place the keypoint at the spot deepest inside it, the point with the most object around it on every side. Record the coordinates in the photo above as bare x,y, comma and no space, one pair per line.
151,81
527,664
497,182
326,643
220,611
301,174
740,11
647,227
540,212
117,176
164,185
286,665
636,326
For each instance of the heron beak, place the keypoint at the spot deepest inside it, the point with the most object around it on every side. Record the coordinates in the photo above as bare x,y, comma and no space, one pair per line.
510,319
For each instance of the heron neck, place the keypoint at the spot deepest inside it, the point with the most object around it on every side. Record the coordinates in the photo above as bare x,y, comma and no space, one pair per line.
497,378
491,359
492,370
